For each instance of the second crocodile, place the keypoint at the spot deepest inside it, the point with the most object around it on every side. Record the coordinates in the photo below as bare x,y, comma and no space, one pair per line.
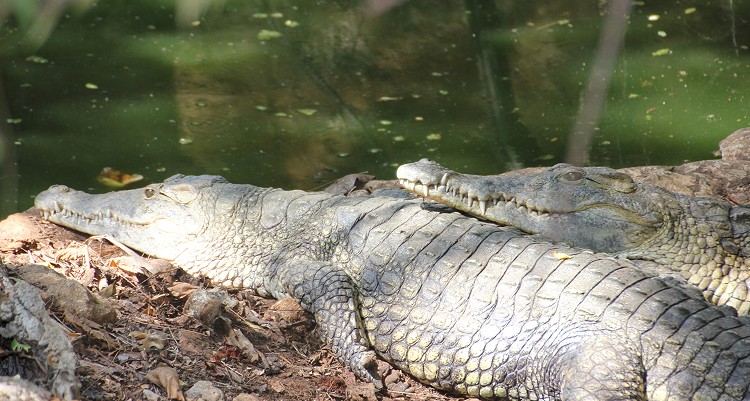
706,240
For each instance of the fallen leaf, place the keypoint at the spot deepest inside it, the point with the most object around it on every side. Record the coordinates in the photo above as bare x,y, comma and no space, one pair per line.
277,385
167,378
92,329
129,265
182,290
237,339
15,345
560,255
148,341
108,291
225,353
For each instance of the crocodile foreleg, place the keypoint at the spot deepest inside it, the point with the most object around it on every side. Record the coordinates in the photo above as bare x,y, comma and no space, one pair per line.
327,292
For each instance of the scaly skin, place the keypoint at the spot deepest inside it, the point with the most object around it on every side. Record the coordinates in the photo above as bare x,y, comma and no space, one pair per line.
707,241
459,304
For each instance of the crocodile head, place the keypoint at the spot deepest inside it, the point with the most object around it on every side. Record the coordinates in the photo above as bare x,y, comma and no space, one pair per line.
592,207
161,219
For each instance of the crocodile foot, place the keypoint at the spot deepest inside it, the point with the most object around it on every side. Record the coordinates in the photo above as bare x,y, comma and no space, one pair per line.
365,367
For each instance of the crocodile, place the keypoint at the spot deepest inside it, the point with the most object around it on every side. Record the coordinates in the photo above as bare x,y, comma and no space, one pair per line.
462,305
705,241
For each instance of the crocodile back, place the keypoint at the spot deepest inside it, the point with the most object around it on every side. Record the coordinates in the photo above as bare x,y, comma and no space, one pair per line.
489,312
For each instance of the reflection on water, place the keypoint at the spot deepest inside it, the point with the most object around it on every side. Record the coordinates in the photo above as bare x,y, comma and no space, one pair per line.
289,94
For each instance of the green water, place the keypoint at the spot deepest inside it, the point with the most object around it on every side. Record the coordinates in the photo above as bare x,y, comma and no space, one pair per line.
128,85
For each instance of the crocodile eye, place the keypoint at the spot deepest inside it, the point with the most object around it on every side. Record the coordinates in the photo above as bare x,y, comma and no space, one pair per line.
149,193
572,176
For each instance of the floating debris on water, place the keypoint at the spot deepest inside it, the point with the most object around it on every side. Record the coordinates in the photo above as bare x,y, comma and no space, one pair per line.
265,34
37,59
115,178
661,52
388,99
307,112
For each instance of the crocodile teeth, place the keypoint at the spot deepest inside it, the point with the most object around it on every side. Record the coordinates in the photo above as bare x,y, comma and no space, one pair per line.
426,190
410,185
483,207
444,179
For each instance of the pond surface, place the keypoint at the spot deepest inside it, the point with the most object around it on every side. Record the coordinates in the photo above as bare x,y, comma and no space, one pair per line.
295,94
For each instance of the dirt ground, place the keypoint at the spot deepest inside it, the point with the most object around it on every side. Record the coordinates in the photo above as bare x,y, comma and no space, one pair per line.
140,324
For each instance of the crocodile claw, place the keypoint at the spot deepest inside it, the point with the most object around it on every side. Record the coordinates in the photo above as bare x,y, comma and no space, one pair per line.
365,367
